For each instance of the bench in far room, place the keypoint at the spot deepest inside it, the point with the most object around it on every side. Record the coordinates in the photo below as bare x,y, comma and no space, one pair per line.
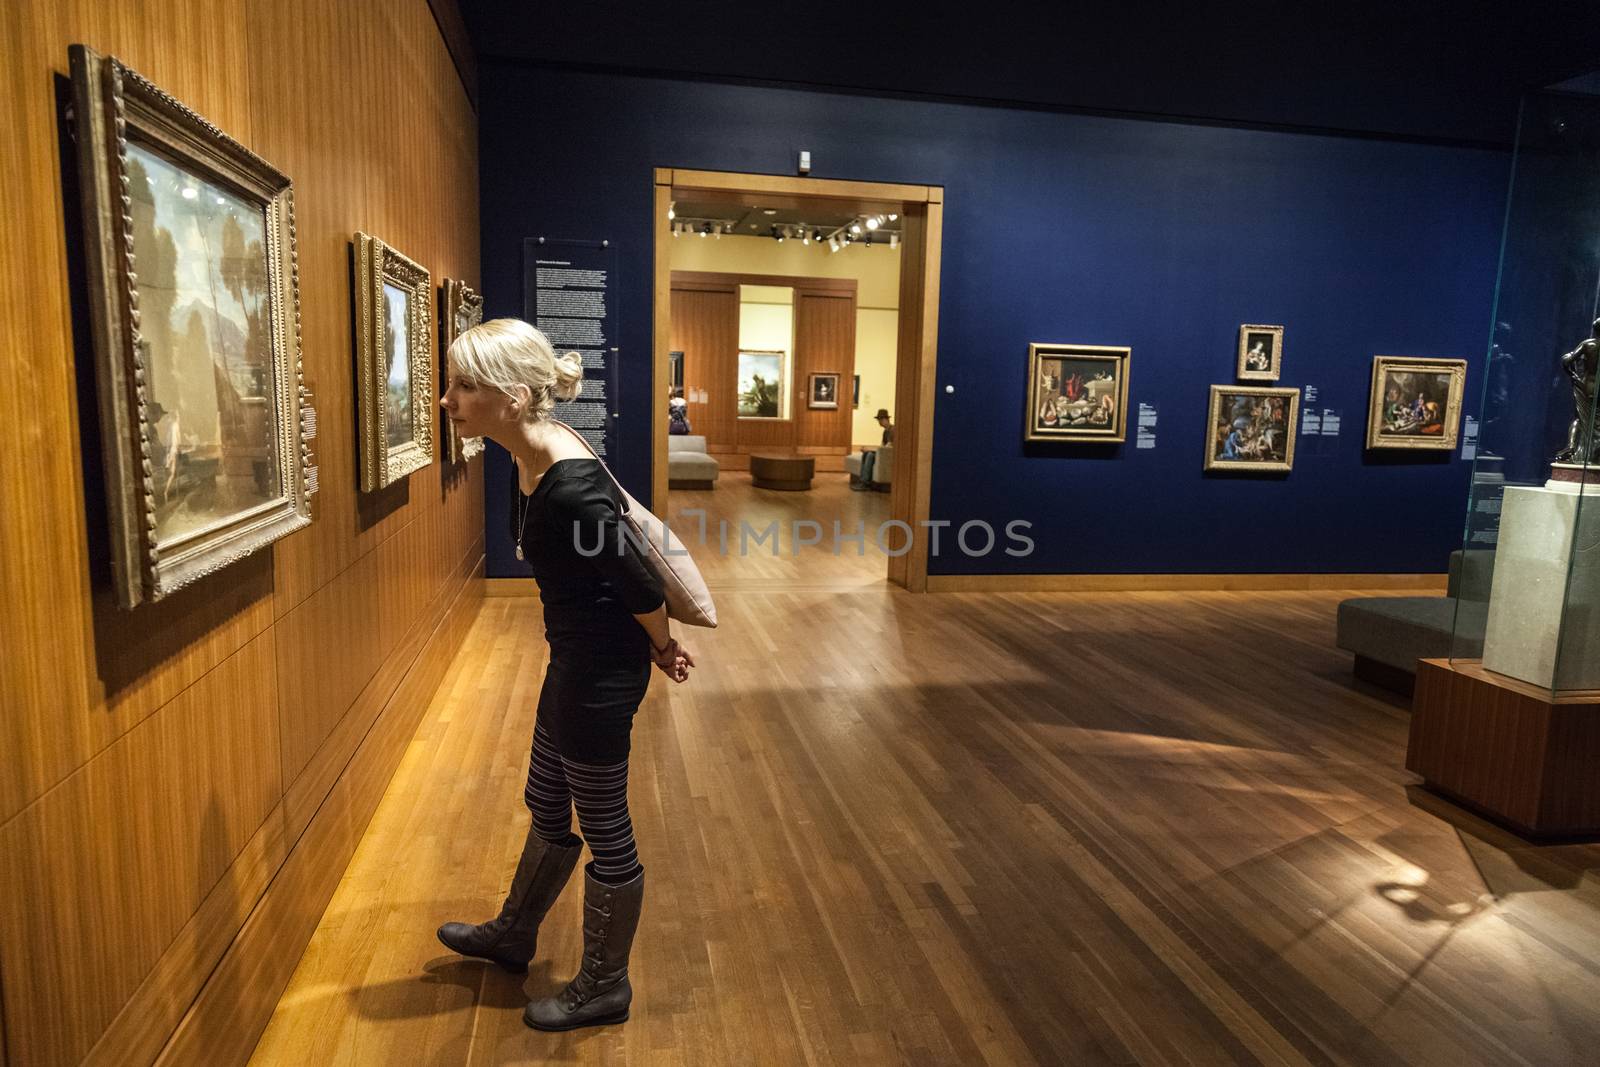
689,466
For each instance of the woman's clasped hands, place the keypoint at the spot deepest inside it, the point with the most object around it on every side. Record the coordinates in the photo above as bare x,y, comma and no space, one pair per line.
673,659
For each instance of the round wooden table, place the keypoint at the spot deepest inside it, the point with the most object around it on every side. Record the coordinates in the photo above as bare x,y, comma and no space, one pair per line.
791,473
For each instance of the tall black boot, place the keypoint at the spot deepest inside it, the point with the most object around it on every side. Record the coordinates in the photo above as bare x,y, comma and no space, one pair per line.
601,993
509,939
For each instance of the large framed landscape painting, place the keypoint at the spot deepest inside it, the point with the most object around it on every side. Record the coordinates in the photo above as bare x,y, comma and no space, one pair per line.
1251,428
463,309
1077,393
763,381
1415,403
194,313
394,355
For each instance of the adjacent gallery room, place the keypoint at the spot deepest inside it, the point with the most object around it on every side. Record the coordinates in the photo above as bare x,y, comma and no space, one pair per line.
1125,593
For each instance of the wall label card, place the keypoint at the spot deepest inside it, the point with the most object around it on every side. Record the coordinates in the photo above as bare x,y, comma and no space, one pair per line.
1330,422
1469,438
1311,394
1147,427
567,294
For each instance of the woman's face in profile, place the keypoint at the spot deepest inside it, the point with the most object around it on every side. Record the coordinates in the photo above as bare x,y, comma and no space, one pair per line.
474,409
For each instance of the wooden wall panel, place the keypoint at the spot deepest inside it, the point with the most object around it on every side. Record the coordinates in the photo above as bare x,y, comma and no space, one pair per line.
825,342
114,862
705,328
162,765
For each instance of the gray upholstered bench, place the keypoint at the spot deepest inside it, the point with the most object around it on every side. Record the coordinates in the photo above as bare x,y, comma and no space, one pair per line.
688,464
1388,634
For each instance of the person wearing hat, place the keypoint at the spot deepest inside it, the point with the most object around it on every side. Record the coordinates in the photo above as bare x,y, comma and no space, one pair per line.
870,455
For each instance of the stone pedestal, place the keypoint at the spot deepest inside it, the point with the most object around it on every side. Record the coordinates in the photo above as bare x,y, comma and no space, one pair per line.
1544,627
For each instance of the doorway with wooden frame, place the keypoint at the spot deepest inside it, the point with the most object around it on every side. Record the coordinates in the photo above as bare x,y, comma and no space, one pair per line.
902,535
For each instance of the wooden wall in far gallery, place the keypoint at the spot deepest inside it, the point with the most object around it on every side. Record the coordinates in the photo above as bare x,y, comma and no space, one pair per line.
182,785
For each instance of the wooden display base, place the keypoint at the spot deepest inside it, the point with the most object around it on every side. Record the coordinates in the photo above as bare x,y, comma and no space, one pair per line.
1507,749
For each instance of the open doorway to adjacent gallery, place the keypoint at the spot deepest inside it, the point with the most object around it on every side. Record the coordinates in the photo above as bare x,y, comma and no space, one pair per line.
796,319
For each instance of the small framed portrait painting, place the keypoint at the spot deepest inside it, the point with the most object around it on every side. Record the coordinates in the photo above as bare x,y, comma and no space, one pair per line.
462,309
1251,428
823,391
1077,393
1415,403
1260,356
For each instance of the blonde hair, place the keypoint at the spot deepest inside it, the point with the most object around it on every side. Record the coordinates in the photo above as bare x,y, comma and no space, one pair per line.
507,353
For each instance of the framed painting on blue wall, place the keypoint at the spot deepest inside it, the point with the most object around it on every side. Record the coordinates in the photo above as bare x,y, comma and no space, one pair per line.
1415,403
1077,393
1251,428
1260,356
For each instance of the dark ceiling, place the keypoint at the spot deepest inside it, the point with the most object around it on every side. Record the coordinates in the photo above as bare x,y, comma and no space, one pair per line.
1429,70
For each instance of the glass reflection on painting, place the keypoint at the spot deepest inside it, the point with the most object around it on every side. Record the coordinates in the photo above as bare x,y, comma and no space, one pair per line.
205,337
396,356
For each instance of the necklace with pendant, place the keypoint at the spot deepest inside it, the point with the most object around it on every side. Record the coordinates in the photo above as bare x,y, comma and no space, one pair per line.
522,523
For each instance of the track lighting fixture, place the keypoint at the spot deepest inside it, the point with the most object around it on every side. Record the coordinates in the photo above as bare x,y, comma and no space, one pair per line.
872,222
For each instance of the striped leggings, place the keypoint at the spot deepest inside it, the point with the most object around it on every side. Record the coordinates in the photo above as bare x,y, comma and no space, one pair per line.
600,793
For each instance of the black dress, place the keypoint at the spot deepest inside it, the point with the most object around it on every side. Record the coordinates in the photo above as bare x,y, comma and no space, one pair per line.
592,582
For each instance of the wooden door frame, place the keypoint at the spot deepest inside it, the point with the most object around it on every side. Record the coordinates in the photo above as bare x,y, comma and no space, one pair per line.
921,208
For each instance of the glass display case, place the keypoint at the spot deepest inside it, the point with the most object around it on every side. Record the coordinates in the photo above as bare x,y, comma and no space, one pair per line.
1527,581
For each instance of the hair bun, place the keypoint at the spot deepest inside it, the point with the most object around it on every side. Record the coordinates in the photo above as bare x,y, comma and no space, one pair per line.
568,376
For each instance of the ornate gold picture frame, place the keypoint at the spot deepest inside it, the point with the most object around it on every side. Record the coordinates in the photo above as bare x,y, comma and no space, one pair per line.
394,353
1077,393
1260,357
462,310
1415,403
1251,428
195,321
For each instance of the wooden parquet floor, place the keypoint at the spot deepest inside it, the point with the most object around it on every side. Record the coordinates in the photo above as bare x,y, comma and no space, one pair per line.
1118,828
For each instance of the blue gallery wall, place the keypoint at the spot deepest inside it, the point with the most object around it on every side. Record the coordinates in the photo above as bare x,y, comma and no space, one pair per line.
1066,228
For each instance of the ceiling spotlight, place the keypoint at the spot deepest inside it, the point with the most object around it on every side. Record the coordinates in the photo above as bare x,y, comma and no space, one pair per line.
675,231
717,233
769,211
855,227
833,244
672,212
893,217
778,234
872,223
705,229
894,240
805,238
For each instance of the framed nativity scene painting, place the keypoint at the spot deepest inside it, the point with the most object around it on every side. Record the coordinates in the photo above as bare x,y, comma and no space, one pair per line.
1251,428
394,397
194,313
1415,403
463,309
1077,393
